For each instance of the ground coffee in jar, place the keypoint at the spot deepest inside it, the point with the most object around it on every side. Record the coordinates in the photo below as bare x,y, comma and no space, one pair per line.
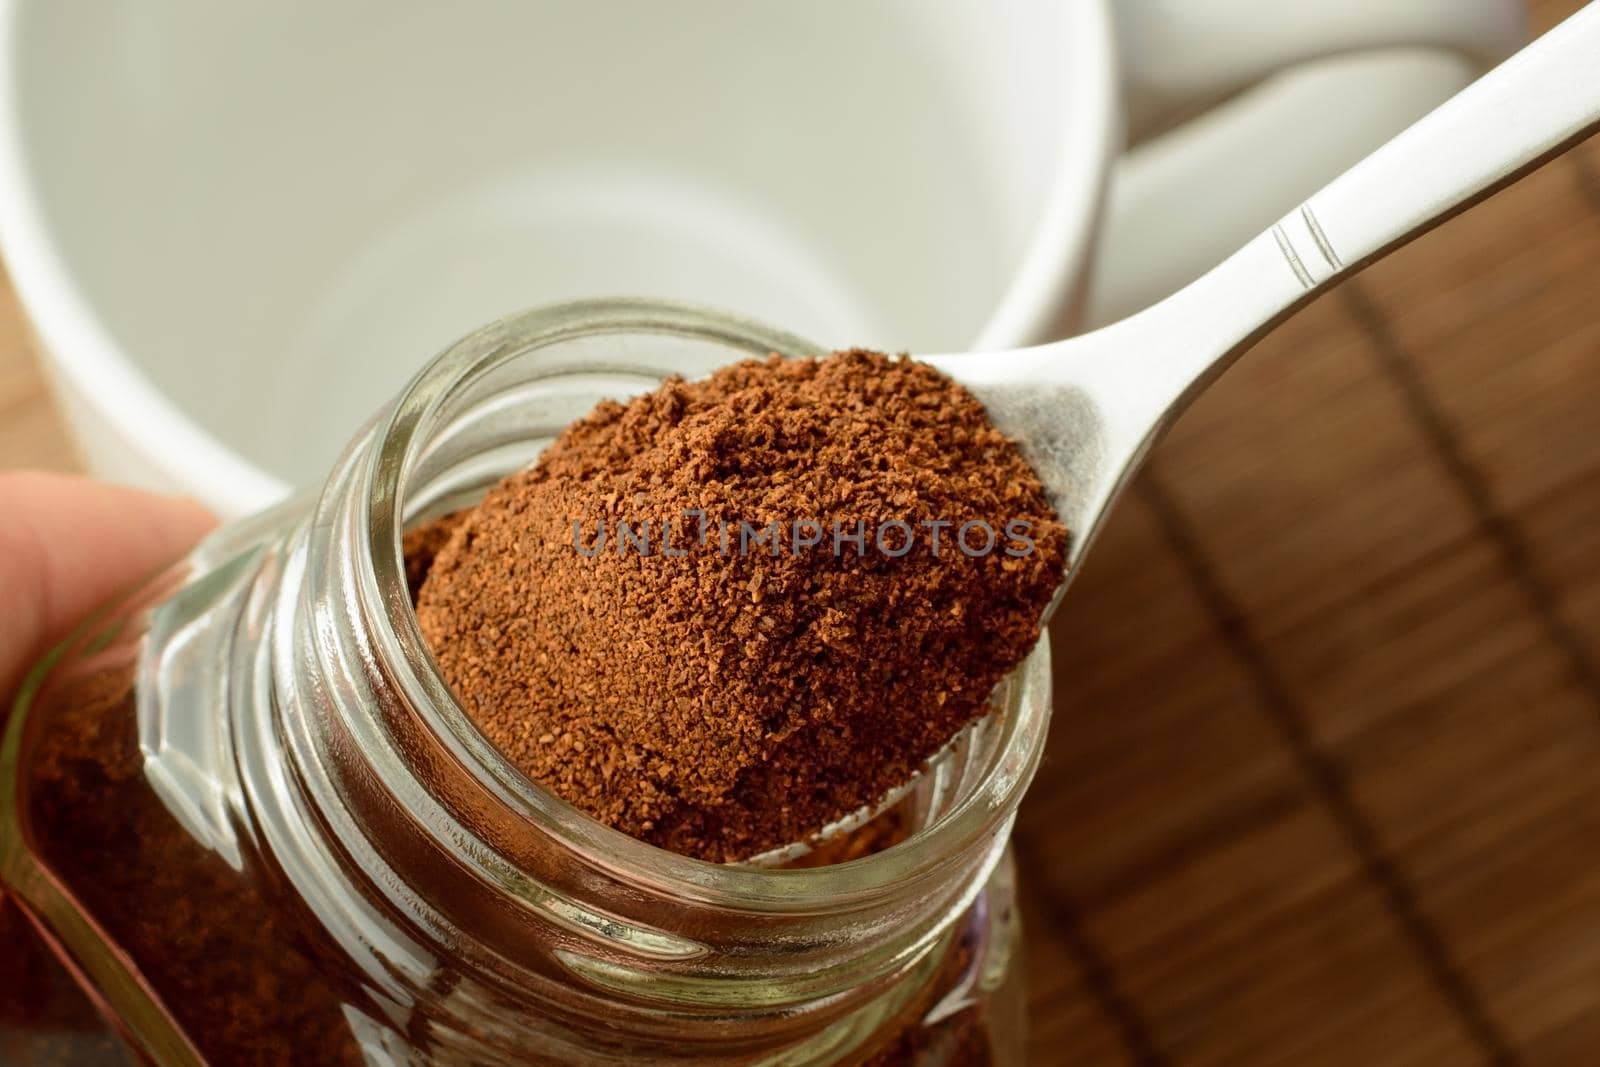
225,810
729,612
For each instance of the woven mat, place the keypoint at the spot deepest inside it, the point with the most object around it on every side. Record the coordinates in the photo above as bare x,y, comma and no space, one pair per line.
1324,779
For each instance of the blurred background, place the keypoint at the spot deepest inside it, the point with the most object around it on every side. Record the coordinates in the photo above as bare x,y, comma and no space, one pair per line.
1324,779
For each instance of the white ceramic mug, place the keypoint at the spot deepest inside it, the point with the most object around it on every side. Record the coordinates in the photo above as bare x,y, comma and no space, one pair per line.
238,227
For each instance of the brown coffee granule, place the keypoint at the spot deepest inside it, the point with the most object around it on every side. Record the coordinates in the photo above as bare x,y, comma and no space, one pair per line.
962,1039
723,695
245,971
883,831
248,974
421,543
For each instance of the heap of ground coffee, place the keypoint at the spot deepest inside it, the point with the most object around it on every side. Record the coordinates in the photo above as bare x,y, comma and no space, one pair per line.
728,612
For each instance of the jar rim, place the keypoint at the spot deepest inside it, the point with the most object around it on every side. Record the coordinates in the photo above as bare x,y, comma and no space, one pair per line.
1009,762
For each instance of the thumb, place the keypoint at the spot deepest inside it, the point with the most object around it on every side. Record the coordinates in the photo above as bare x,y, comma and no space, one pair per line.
66,545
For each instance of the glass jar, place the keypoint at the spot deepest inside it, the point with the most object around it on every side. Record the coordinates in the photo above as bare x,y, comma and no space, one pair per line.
245,811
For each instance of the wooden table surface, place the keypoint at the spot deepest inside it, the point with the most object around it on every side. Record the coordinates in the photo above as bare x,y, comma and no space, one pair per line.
1323,786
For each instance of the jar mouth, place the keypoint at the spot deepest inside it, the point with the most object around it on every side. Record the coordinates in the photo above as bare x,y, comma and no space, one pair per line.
421,418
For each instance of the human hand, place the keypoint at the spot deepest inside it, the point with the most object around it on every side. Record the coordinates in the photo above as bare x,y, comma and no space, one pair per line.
66,545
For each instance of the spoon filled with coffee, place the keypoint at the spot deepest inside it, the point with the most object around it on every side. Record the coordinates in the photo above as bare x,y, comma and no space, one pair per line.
718,617
1087,409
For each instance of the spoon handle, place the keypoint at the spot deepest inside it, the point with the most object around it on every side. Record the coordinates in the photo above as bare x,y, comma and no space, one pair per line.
1534,105
1088,408
1539,102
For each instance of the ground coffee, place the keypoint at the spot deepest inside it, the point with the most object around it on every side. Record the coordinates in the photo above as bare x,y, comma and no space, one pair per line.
234,954
729,612
244,969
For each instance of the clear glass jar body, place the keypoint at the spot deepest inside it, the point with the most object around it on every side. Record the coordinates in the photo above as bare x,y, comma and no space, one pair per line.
244,810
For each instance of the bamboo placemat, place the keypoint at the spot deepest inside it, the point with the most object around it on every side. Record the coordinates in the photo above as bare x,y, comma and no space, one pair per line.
1324,780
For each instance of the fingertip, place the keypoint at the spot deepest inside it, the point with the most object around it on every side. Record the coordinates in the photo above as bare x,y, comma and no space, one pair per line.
68,543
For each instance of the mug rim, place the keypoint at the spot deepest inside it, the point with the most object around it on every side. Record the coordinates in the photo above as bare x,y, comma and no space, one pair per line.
76,346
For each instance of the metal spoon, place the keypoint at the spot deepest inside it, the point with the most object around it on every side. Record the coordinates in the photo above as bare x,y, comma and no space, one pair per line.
1086,410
